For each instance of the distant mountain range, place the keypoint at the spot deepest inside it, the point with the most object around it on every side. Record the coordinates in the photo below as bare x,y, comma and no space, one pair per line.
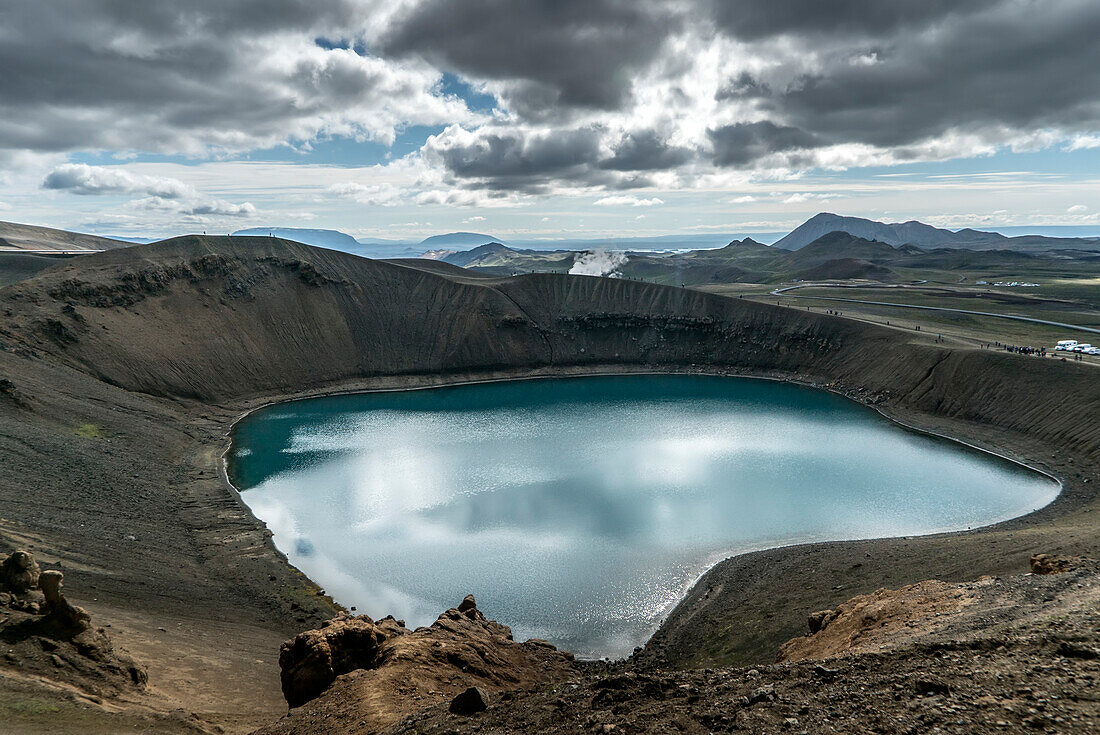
443,246
925,236
834,255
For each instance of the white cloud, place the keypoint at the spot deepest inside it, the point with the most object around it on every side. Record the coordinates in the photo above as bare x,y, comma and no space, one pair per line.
379,195
1081,142
198,208
800,197
1078,209
627,201
80,178
469,198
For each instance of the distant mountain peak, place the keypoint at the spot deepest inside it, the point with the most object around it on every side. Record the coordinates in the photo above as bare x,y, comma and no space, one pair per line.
748,242
912,232
490,247
464,258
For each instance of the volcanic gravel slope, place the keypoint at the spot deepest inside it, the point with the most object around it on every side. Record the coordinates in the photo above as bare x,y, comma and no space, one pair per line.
120,373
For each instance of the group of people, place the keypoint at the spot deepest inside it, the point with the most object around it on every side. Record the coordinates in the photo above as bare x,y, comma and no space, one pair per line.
1037,351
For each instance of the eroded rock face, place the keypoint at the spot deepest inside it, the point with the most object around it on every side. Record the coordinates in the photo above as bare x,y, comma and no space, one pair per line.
354,670
49,637
313,659
819,619
66,615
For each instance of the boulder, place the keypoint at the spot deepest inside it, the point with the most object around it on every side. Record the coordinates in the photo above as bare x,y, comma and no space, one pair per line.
19,573
467,604
470,702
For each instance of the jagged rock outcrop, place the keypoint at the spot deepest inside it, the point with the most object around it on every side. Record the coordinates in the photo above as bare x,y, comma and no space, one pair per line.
59,610
354,670
48,636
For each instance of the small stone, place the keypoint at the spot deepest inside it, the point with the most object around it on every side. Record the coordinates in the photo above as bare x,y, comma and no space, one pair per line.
929,687
762,694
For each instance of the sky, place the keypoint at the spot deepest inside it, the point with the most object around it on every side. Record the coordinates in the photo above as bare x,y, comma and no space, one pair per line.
537,119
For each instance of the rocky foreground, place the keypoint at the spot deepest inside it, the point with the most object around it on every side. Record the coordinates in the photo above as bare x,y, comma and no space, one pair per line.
993,655
357,675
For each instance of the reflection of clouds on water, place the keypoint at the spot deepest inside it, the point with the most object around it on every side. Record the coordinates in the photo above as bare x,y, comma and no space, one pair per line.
583,522
375,598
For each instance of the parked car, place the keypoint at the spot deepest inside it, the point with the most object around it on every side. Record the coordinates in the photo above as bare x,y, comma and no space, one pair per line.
1065,344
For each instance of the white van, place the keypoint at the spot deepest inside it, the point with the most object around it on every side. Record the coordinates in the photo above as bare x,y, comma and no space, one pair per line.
1081,347
1065,344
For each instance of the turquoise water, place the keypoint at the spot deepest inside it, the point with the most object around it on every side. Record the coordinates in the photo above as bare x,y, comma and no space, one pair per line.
579,510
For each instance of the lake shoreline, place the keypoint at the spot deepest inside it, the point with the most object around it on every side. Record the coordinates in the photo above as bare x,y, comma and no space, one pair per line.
397,384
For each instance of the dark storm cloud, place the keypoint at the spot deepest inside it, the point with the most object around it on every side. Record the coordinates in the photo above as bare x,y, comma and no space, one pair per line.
73,52
122,75
893,75
646,151
1019,68
756,19
531,162
515,161
572,53
118,74
743,143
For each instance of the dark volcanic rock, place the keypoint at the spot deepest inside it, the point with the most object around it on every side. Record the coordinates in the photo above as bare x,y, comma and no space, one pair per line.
469,702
